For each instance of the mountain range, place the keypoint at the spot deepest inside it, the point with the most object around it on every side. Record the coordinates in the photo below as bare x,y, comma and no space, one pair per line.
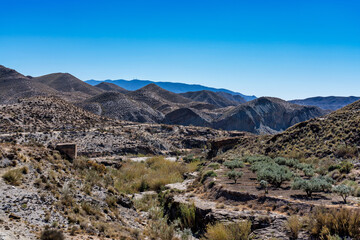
328,103
135,84
154,104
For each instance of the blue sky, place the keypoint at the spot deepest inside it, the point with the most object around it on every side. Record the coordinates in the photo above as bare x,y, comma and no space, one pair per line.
288,49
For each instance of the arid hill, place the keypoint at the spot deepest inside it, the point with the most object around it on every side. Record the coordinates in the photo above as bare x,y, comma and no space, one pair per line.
110,87
158,98
14,85
67,83
119,106
46,113
266,115
334,135
213,98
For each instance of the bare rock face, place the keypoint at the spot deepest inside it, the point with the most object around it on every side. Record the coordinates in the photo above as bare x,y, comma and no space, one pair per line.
266,115
185,116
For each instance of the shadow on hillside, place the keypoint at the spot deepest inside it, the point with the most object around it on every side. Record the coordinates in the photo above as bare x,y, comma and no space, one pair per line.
314,197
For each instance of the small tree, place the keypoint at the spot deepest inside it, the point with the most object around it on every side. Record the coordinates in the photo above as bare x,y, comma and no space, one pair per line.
264,185
234,175
344,191
311,186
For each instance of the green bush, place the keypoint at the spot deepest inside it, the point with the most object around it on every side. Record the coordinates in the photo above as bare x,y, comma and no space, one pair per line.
187,216
346,166
273,173
287,162
253,159
214,166
207,175
233,164
234,175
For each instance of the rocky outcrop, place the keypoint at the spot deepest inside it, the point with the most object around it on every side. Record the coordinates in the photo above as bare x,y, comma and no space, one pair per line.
266,115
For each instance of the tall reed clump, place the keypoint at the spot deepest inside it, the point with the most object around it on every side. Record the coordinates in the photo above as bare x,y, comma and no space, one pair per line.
152,174
343,222
221,231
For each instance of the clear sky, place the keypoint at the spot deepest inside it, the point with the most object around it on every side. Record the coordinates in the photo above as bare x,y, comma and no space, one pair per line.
288,49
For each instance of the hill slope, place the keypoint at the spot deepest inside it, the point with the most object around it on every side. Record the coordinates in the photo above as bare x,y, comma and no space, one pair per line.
210,97
170,86
266,115
158,98
119,106
111,87
334,135
329,103
14,85
65,82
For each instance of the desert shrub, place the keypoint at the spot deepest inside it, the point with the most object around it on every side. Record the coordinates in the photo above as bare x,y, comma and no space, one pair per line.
214,166
294,226
343,222
273,174
233,231
253,159
345,167
158,227
90,209
207,175
146,202
234,175
307,169
233,164
67,196
190,158
52,234
286,161
187,216
344,151
343,191
111,201
15,176
315,184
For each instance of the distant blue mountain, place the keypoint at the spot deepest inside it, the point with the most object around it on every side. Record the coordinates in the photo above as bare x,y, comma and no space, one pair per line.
135,84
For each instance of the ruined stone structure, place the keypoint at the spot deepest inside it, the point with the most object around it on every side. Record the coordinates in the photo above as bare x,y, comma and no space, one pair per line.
67,149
